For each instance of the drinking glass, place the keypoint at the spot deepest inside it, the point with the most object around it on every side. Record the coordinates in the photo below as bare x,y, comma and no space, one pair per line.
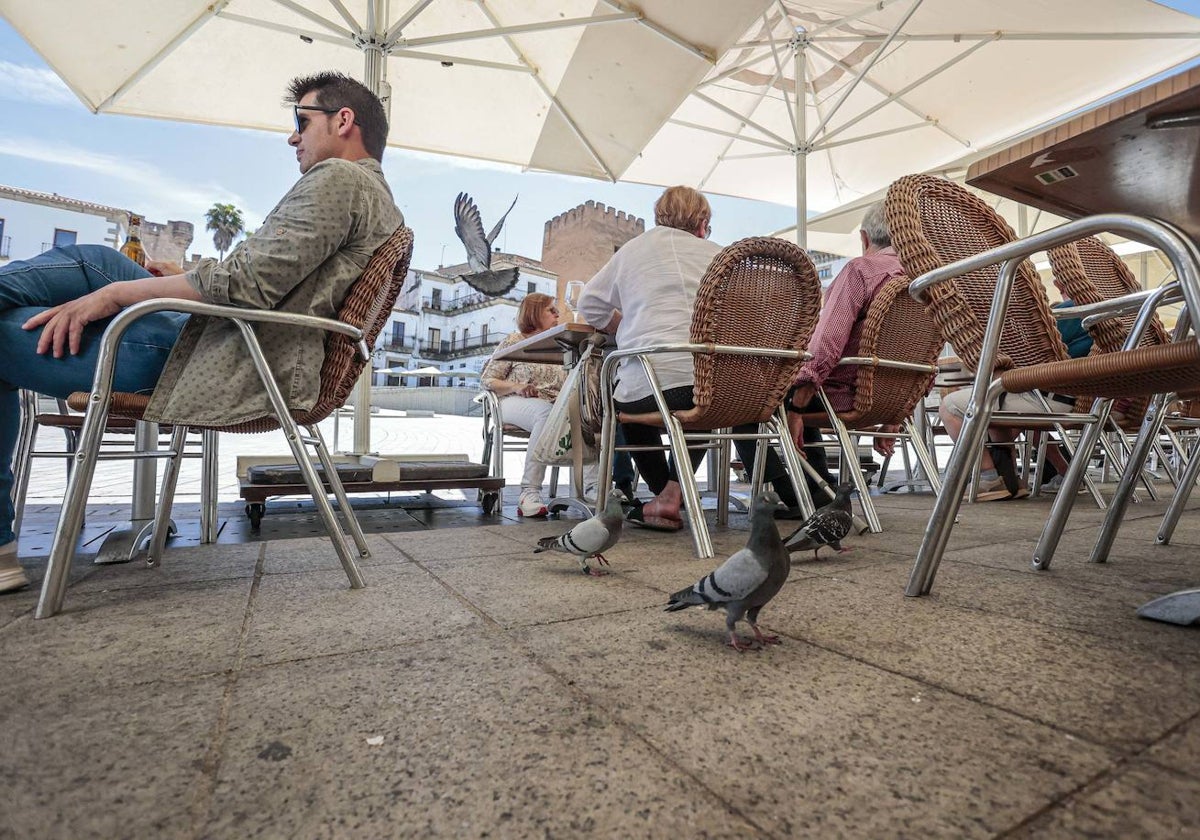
574,290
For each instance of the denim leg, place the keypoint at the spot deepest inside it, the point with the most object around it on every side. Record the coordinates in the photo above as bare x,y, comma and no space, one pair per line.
28,287
10,414
64,274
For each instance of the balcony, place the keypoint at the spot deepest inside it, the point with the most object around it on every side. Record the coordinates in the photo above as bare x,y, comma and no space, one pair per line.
472,346
465,303
404,345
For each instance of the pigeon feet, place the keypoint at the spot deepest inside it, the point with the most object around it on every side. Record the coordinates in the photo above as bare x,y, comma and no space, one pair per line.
588,570
741,645
764,639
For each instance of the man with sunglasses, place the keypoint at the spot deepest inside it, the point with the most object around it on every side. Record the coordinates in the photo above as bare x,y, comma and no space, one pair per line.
303,260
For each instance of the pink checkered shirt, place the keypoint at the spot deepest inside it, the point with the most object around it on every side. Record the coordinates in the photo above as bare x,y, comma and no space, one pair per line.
839,330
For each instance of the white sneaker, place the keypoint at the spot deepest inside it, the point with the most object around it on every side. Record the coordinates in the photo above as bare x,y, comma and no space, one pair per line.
531,505
12,576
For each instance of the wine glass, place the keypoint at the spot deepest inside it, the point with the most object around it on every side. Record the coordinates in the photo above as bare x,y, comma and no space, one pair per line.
574,290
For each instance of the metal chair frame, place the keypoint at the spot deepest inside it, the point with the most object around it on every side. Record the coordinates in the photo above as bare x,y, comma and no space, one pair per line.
62,551
986,390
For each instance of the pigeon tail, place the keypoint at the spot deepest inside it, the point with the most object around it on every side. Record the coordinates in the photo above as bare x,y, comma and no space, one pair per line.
494,283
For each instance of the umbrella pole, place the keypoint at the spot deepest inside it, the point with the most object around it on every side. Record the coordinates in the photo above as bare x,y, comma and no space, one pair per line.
372,78
800,155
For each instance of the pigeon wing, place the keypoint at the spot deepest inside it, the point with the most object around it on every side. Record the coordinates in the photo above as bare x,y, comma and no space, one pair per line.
585,539
469,228
733,580
491,237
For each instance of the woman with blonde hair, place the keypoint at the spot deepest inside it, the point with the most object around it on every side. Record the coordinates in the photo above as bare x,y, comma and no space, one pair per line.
527,392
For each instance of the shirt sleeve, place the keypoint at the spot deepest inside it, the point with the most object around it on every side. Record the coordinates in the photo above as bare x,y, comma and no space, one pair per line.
307,226
844,301
498,368
600,298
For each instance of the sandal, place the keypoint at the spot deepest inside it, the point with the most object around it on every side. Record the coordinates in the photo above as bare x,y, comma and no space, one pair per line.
652,523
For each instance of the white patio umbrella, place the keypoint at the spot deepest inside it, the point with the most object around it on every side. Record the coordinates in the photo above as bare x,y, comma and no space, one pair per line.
570,86
823,102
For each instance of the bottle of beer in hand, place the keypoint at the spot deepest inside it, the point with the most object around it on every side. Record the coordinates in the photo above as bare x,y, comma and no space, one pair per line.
133,245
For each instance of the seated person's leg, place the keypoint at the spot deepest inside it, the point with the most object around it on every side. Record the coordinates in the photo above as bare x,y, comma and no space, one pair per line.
998,475
659,473
774,473
624,475
63,274
143,353
529,413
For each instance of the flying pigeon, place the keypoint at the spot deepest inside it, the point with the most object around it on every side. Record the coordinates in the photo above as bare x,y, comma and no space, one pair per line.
592,536
745,582
829,525
469,228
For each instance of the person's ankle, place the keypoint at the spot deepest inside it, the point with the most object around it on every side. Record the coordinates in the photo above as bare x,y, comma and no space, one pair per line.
12,576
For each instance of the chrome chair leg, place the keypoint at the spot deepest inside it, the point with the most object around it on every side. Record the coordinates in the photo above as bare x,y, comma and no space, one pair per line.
209,517
1060,508
924,457
339,491
166,496
70,519
1129,478
22,465
964,459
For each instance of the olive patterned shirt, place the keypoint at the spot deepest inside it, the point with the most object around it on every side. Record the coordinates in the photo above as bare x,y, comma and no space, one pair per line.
303,260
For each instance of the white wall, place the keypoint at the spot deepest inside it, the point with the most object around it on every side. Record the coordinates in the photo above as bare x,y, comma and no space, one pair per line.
31,225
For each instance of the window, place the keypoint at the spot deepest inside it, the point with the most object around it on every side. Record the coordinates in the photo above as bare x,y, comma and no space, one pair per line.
435,298
530,287
453,338
435,338
483,334
64,237
398,333
3,242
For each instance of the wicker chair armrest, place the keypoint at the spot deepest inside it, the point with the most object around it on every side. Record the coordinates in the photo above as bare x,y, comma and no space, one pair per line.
238,313
611,359
1150,231
895,364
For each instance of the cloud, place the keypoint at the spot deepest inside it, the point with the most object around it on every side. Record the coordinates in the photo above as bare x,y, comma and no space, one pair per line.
33,84
152,191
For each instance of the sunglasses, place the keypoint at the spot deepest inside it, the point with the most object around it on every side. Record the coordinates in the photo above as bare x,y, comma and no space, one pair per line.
302,122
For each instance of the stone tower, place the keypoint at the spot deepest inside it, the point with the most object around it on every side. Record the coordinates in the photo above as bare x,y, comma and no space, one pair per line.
167,242
576,244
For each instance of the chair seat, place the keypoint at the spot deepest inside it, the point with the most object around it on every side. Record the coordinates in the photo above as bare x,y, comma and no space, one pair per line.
75,422
125,406
1141,372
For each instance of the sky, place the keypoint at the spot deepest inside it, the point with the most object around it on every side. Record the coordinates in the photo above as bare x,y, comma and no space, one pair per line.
49,142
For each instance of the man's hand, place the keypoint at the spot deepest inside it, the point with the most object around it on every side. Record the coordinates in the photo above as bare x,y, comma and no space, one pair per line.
162,268
64,324
803,395
796,430
886,445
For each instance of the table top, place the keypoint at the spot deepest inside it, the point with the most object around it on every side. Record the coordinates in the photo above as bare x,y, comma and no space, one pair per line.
548,346
1137,154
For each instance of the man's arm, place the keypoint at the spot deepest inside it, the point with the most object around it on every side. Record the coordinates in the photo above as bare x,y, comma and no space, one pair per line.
64,324
846,297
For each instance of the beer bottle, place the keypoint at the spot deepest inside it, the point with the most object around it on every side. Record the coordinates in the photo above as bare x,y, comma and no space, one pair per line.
133,245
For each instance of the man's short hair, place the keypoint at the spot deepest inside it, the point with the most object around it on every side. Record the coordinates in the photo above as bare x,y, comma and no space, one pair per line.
875,225
683,208
337,90
529,313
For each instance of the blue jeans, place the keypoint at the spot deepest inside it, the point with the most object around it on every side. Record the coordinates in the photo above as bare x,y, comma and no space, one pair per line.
28,287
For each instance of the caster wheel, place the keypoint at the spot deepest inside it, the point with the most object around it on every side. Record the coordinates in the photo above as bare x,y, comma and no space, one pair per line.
488,501
255,511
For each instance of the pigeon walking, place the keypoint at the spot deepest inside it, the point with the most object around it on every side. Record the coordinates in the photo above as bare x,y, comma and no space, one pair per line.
469,227
592,536
745,582
827,526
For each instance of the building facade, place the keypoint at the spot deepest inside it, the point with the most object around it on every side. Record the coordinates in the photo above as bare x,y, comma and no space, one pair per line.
32,222
441,322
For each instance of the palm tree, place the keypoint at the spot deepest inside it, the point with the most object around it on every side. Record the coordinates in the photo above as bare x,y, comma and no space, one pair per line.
226,223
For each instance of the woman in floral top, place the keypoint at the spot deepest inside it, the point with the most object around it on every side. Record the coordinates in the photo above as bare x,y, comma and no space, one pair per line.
527,392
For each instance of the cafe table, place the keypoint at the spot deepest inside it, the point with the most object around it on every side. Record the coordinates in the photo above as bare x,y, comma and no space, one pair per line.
1138,154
